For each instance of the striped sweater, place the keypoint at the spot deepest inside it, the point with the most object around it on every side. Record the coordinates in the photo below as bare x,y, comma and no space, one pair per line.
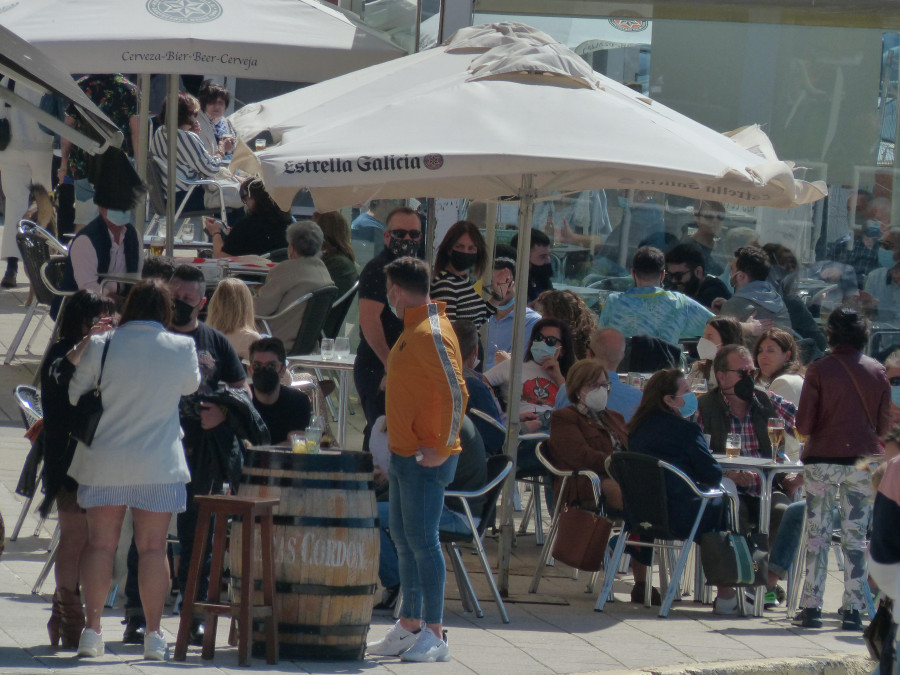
461,299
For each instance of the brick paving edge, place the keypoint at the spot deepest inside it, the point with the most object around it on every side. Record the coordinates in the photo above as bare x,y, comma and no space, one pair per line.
833,664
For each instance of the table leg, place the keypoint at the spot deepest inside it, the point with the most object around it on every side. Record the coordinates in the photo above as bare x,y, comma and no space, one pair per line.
343,402
765,520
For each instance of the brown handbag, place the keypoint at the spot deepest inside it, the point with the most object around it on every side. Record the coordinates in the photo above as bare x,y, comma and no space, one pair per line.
581,538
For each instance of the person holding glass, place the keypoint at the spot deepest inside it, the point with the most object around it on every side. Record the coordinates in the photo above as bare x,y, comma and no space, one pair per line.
215,129
780,372
135,459
845,408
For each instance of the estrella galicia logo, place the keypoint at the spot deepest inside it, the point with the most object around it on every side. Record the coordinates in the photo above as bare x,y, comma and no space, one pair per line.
629,25
185,11
433,161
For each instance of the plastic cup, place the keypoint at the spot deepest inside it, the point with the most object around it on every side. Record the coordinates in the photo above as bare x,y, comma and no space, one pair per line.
342,347
298,444
313,439
259,144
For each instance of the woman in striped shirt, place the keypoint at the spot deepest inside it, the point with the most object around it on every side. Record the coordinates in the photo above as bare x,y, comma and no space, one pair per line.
460,257
194,161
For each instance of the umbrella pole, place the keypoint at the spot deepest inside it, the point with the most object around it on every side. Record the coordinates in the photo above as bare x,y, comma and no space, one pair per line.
172,154
141,152
526,209
625,236
490,240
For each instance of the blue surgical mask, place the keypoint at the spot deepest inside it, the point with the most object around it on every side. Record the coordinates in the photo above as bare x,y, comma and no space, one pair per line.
690,404
539,350
507,305
885,257
895,395
118,217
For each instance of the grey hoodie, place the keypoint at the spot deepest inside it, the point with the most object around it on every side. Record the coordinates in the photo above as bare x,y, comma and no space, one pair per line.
759,297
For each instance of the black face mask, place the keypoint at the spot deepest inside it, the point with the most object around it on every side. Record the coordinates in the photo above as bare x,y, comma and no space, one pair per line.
266,381
542,274
462,261
404,247
744,387
182,313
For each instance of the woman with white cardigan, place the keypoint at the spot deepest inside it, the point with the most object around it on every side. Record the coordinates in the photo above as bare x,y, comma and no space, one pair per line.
135,459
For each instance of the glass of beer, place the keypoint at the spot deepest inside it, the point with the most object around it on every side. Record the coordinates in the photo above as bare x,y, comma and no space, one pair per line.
157,245
776,434
259,144
733,446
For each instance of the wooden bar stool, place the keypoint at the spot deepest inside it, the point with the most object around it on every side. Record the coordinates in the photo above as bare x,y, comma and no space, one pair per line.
248,509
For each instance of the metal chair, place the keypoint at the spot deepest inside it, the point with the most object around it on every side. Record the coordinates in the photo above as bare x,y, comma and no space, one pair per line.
36,245
317,302
157,192
557,509
28,399
642,479
498,469
338,312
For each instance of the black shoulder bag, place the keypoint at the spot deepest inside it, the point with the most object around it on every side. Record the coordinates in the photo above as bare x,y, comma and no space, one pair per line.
89,408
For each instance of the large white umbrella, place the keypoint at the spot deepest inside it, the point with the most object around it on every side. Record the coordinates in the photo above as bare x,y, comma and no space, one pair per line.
294,40
27,65
502,110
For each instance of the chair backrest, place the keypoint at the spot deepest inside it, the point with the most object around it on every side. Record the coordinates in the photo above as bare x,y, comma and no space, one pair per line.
278,255
35,252
498,467
643,484
53,274
29,400
338,312
311,326
155,189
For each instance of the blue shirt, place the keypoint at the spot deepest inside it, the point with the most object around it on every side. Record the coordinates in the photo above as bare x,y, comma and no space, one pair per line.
649,310
500,335
623,398
364,220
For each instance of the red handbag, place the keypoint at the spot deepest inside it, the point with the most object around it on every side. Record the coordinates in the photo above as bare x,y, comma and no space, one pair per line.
581,538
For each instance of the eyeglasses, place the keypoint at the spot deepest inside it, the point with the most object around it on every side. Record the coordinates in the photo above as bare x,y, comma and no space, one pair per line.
744,372
271,365
895,381
603,385
678,276
549,340
403,234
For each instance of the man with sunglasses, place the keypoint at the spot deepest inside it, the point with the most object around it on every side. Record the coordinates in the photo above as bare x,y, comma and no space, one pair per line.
709,217
686,273
379,327
883,283
283,409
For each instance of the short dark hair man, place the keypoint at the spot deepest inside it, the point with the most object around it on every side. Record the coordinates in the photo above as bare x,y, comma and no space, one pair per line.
500,325
379,327
540,270
754,296
648,309
283,409
686,273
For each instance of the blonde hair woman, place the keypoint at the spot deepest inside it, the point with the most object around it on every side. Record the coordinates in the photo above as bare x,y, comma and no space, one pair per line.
231,313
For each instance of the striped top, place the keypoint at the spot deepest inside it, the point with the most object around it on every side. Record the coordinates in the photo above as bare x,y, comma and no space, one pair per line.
194,160
462,300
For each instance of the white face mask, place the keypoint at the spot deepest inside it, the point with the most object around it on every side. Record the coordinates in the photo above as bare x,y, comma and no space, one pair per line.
595,399
707,349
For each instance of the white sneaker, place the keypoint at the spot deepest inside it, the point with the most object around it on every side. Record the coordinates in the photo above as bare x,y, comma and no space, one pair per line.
397,641
428,649
156,647
91,643
729,606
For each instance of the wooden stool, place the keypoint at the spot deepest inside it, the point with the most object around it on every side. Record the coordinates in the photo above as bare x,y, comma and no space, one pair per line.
249,509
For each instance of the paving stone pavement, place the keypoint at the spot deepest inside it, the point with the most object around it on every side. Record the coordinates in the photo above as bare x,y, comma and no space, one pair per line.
556,631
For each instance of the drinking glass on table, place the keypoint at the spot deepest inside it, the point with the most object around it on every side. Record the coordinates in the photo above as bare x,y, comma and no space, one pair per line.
733,446
157,245
187,233
699,385
298,443
776,437
260,144
327,349
342,347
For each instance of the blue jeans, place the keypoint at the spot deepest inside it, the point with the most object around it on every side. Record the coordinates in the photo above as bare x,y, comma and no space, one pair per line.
416,503
788,539
388,564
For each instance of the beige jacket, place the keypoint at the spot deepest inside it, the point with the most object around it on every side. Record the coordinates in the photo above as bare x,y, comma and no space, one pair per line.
288,281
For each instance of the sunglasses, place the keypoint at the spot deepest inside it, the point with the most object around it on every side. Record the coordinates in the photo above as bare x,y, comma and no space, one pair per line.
402,234
679,276
549,340
271,365
744,372
895,381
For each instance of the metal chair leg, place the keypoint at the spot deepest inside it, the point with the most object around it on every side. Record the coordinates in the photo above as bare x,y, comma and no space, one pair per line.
22,513
35,332
456,563
14,345
610,572
48,565
485,565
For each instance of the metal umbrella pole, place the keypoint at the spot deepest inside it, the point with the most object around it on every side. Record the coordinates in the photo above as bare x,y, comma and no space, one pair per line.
510,448
172,140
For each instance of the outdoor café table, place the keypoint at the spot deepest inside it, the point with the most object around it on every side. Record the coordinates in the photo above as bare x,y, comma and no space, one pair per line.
766,469
344,366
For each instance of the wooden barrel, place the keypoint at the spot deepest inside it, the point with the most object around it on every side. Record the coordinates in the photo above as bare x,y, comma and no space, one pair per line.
326,550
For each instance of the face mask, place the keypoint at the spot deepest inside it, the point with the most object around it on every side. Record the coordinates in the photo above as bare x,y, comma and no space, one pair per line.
595,399
462,261
182,313
744,388
895,395
512,301
398,313
706,349
539,350
475,363
118,217
885,257
404,247
542,272
690,404
266,380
